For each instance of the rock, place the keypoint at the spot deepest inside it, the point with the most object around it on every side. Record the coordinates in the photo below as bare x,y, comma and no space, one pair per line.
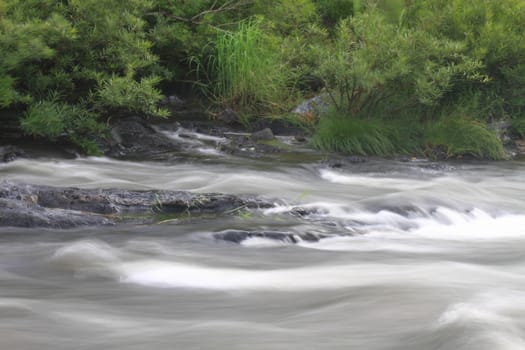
174,104
134,138
175,101
229,116
10,153
237,236
502,129
314,106
279,126
341,162
263,135
44,206
26,214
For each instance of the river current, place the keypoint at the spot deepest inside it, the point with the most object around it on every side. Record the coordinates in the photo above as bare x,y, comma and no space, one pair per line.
416,255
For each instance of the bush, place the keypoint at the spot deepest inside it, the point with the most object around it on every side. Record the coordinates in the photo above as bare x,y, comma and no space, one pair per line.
375,66
53,119
68,63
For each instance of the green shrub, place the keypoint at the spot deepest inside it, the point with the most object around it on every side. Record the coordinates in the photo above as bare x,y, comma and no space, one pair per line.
91,56
332,11
121,93
375,65
53,119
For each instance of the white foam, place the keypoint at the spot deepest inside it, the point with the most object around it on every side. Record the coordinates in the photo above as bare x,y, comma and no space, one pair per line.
261,242
476,225
157,273
441,223
494,319
370,181
210,151
188,136
370,244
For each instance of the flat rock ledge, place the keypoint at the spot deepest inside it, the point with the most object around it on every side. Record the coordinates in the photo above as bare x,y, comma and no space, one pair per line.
24,205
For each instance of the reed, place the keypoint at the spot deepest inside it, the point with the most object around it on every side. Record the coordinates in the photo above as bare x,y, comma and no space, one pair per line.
246,69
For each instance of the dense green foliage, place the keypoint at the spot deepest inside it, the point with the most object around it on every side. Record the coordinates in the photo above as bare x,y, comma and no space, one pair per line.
67,64
67,67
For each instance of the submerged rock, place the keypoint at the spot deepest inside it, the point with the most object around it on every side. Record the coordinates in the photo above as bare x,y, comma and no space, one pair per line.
45,206
237,236
341,162
10,153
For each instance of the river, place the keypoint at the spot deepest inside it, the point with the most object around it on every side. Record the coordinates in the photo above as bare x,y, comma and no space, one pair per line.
416,255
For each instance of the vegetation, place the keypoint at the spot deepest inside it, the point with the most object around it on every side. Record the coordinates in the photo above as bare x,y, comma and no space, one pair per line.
404,76
245,69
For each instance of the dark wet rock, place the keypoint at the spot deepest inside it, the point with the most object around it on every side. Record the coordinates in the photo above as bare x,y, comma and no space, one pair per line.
134,138
228,116
263,135
303,212
279,126
237,236
11,153
75,203
27,214
342,162
244,144
173,101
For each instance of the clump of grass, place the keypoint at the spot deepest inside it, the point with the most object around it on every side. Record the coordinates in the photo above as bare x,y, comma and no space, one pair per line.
358,136
246,69
448,137
459,137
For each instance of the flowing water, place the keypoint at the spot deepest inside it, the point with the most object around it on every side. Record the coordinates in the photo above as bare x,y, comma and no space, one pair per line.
415,256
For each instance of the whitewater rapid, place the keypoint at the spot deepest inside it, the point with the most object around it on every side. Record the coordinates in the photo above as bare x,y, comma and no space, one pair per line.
407,255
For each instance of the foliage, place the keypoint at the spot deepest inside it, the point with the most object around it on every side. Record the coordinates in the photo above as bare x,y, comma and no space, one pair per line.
67,64
286,17
449,137
245,69
337,132
332,11
518,127
459,136
53,119
119,93
376,65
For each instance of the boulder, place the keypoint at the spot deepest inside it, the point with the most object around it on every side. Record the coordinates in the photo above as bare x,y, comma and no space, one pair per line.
45,206
10,153
228,116
134,138
314,106
263,135
27,214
